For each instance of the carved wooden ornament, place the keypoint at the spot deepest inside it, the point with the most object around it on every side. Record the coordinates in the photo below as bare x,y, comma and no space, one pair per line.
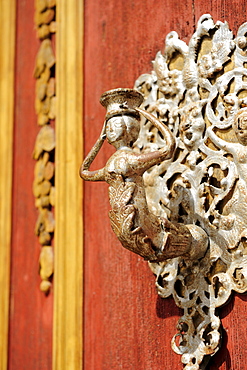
178,181
43,185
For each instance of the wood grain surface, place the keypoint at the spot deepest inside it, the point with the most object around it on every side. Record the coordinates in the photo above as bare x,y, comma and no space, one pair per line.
30,338
126,325
67,323
7,57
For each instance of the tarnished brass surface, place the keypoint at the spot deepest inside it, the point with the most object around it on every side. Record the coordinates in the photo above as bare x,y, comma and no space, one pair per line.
139,230
204,183
178,179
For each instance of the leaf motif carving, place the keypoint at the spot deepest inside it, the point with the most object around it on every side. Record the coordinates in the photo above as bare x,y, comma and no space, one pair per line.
122,195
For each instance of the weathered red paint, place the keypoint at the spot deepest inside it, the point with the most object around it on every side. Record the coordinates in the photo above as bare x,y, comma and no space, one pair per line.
126,325
30,336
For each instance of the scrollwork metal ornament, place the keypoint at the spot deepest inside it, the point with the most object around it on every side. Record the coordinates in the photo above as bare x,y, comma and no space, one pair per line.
178,179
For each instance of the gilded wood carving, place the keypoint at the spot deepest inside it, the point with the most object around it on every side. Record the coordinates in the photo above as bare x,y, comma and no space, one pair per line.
178,183
44,150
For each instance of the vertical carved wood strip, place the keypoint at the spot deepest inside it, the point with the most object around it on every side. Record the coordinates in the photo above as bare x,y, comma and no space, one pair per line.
7,53
45,106
67,337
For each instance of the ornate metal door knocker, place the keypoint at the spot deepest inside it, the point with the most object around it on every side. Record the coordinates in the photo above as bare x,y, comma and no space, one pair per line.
178,178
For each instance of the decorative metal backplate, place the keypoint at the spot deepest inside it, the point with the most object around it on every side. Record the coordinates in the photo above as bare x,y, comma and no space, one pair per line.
200,92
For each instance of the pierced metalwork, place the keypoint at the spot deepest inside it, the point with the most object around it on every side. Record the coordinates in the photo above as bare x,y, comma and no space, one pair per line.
198,94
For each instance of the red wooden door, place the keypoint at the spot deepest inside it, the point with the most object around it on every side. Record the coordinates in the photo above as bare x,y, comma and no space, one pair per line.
37,330
126,325
30,325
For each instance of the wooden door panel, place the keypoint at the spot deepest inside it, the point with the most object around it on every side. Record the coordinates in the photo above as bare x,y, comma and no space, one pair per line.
30,329
126,325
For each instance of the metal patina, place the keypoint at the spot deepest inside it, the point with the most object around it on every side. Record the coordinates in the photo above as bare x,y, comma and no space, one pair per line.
178,179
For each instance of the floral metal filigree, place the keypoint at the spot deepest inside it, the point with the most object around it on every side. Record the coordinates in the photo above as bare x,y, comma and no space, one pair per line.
200,92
